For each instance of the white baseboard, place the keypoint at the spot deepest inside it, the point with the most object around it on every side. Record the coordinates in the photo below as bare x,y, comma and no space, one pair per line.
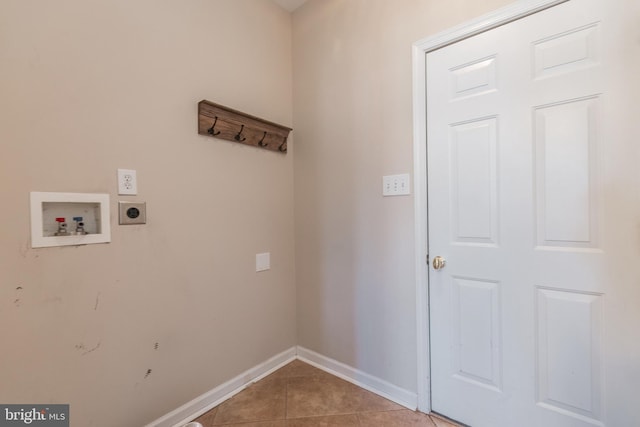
213,398
375,385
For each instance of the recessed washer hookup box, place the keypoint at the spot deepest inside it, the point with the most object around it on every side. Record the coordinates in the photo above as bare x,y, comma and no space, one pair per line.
66,219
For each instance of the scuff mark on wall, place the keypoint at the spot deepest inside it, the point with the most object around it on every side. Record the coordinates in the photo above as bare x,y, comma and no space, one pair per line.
156,346
81,346
18,301
95,308
148,373
97,346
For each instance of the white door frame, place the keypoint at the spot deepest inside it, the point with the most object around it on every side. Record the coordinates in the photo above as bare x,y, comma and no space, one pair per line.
517,10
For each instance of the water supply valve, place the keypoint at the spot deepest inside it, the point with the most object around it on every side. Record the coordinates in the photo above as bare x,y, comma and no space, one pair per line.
62,227
79,226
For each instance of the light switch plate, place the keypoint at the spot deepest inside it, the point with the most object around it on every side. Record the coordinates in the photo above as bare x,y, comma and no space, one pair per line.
127,182
263,261
396,185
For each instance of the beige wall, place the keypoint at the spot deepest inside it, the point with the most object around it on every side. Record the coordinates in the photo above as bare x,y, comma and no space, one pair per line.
87,87
353,124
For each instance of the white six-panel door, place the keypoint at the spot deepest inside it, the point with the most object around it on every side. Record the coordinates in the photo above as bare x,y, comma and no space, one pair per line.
533,197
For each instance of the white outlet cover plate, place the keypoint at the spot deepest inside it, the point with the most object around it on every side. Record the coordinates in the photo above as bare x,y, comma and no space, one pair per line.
127,182
263,261
396,185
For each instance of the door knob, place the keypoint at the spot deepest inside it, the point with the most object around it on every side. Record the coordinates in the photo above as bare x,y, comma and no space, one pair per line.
439,263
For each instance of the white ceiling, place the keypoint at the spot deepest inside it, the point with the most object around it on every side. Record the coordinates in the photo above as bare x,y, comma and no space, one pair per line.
290,5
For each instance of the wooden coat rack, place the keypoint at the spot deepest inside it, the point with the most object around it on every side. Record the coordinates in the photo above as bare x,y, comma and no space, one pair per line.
232,125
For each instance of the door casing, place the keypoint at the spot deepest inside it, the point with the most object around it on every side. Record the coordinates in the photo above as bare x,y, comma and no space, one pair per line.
515,11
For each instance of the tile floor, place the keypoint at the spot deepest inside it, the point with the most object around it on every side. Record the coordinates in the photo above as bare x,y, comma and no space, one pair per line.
299,395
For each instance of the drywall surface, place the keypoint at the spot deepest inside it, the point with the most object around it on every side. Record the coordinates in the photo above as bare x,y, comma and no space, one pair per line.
128,331
353,119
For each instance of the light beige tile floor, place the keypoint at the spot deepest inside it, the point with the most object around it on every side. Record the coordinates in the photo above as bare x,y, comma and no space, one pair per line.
299,395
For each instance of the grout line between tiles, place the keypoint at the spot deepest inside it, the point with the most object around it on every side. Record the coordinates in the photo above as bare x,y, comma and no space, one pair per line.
286,399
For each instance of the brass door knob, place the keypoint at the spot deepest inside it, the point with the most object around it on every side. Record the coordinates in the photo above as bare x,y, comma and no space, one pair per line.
439,263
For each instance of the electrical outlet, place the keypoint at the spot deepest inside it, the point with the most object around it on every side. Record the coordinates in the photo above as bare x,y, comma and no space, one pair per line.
396,185
127,182
132,213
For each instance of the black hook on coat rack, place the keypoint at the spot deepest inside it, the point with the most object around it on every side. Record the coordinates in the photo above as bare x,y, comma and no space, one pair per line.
239,136
212,129
283,150
261,143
